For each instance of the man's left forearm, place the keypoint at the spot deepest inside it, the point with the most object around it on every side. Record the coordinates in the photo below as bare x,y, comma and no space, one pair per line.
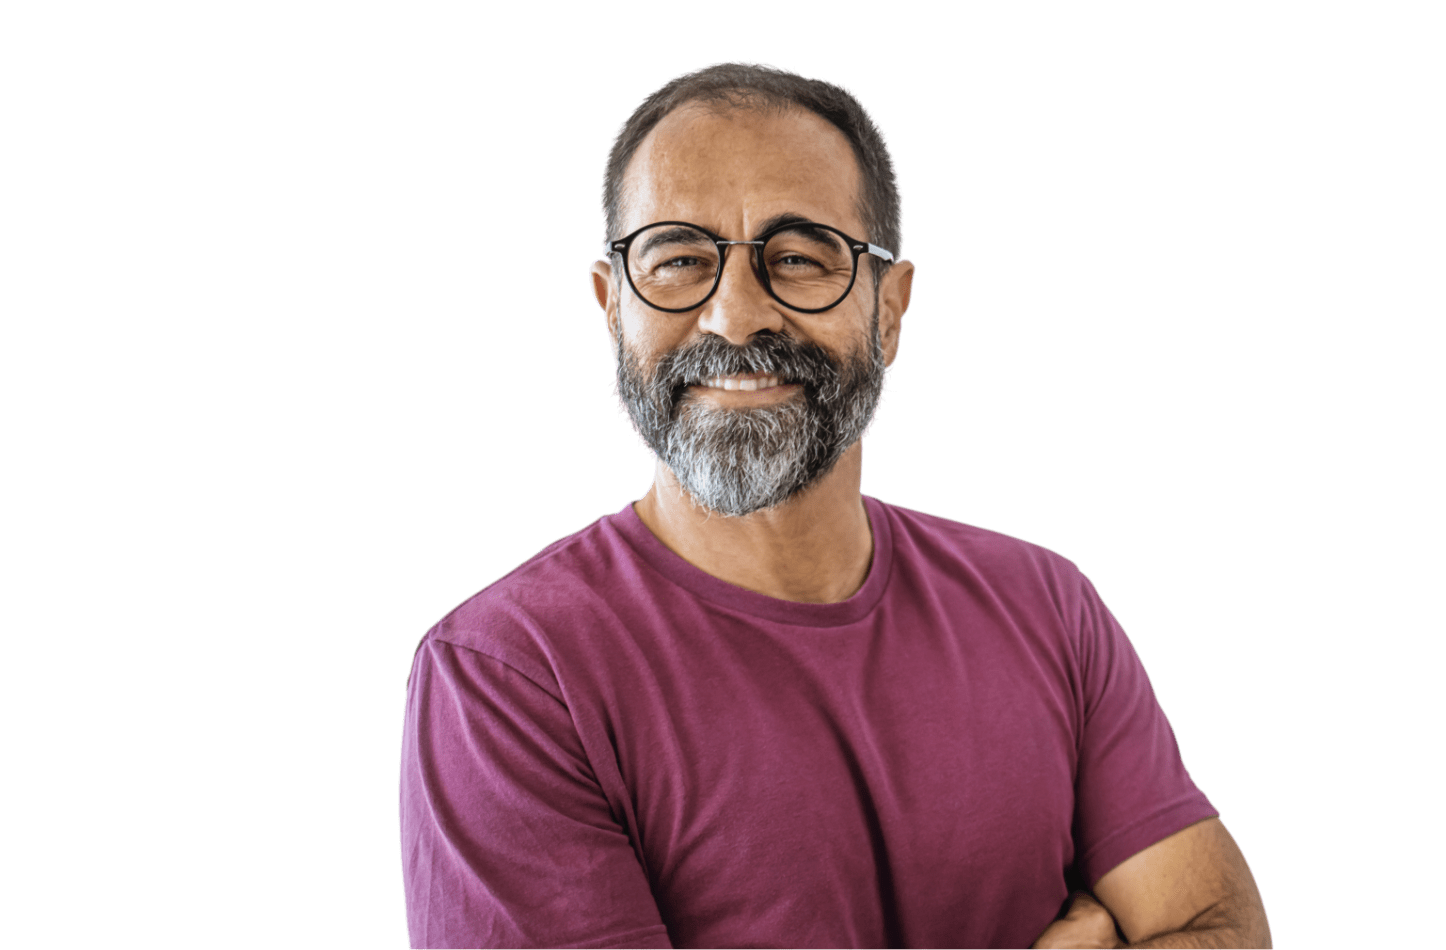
1235,922
1192,889
1213,939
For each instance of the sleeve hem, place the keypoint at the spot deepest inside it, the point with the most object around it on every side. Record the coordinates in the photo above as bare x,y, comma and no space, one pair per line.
1136,837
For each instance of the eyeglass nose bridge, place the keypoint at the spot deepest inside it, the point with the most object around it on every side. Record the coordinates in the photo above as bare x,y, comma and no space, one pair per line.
757,252
759,270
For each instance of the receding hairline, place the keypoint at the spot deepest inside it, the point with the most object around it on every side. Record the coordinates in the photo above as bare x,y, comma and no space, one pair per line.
724,103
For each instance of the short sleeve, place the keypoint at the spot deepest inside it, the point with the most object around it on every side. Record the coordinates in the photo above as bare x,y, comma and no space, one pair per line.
507,839
1131,788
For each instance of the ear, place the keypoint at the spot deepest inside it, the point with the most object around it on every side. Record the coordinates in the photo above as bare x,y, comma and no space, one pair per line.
894,291
605,288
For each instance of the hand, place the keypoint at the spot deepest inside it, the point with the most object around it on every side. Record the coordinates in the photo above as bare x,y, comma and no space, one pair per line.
1086,924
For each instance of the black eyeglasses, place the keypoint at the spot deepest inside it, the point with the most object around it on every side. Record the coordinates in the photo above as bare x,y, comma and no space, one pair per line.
675,266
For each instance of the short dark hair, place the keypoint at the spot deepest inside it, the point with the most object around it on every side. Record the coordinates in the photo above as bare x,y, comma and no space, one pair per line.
746,86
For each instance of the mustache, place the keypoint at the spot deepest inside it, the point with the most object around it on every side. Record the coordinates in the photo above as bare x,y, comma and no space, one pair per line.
792,361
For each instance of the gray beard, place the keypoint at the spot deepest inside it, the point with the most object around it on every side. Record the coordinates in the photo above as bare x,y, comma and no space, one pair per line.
738,461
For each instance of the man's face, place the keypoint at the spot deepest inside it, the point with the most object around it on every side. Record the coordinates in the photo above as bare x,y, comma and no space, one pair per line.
744,399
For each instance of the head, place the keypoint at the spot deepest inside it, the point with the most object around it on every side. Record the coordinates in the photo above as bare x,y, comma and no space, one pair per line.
746,400
738,86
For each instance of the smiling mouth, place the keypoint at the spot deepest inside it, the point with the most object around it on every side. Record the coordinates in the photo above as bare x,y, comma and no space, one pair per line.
749,383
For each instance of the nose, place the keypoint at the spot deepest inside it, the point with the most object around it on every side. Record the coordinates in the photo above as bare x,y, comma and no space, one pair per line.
740,307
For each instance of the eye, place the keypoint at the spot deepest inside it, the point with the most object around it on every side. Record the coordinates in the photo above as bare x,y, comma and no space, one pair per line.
795,263
682,262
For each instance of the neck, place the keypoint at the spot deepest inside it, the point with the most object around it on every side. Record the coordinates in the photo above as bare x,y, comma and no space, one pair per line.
814,548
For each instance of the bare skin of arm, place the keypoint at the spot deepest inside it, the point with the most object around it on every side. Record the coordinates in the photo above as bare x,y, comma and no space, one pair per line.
1193,889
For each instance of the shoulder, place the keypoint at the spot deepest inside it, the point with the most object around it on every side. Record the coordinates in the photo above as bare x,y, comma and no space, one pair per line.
935,541
995,571
518,619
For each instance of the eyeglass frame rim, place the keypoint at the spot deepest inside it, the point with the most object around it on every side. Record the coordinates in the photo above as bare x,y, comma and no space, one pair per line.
857,246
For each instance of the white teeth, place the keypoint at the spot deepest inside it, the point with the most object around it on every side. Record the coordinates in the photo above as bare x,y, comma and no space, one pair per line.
747,385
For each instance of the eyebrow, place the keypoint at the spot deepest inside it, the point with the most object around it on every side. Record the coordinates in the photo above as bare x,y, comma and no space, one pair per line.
671,235
816,235
779,220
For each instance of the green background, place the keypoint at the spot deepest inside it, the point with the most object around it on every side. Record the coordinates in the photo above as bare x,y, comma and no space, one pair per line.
298,353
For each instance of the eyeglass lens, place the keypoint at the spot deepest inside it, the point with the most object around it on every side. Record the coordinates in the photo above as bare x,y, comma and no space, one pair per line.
674,266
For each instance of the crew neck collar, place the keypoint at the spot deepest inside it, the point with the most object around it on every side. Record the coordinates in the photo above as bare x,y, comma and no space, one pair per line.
707,587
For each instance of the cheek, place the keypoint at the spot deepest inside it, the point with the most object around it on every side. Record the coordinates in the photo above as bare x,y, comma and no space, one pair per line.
651,333
848,331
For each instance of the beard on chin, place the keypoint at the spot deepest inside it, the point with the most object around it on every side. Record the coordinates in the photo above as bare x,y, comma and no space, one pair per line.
738,461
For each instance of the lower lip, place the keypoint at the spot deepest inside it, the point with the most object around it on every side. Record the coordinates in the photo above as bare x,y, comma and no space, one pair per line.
745,395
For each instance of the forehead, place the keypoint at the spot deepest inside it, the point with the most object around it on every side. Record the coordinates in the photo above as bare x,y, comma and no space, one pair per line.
730,171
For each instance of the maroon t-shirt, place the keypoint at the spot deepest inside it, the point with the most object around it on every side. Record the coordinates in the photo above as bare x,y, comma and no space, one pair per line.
611,747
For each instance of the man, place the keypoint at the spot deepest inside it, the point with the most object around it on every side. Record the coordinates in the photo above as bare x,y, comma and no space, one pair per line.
755,707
